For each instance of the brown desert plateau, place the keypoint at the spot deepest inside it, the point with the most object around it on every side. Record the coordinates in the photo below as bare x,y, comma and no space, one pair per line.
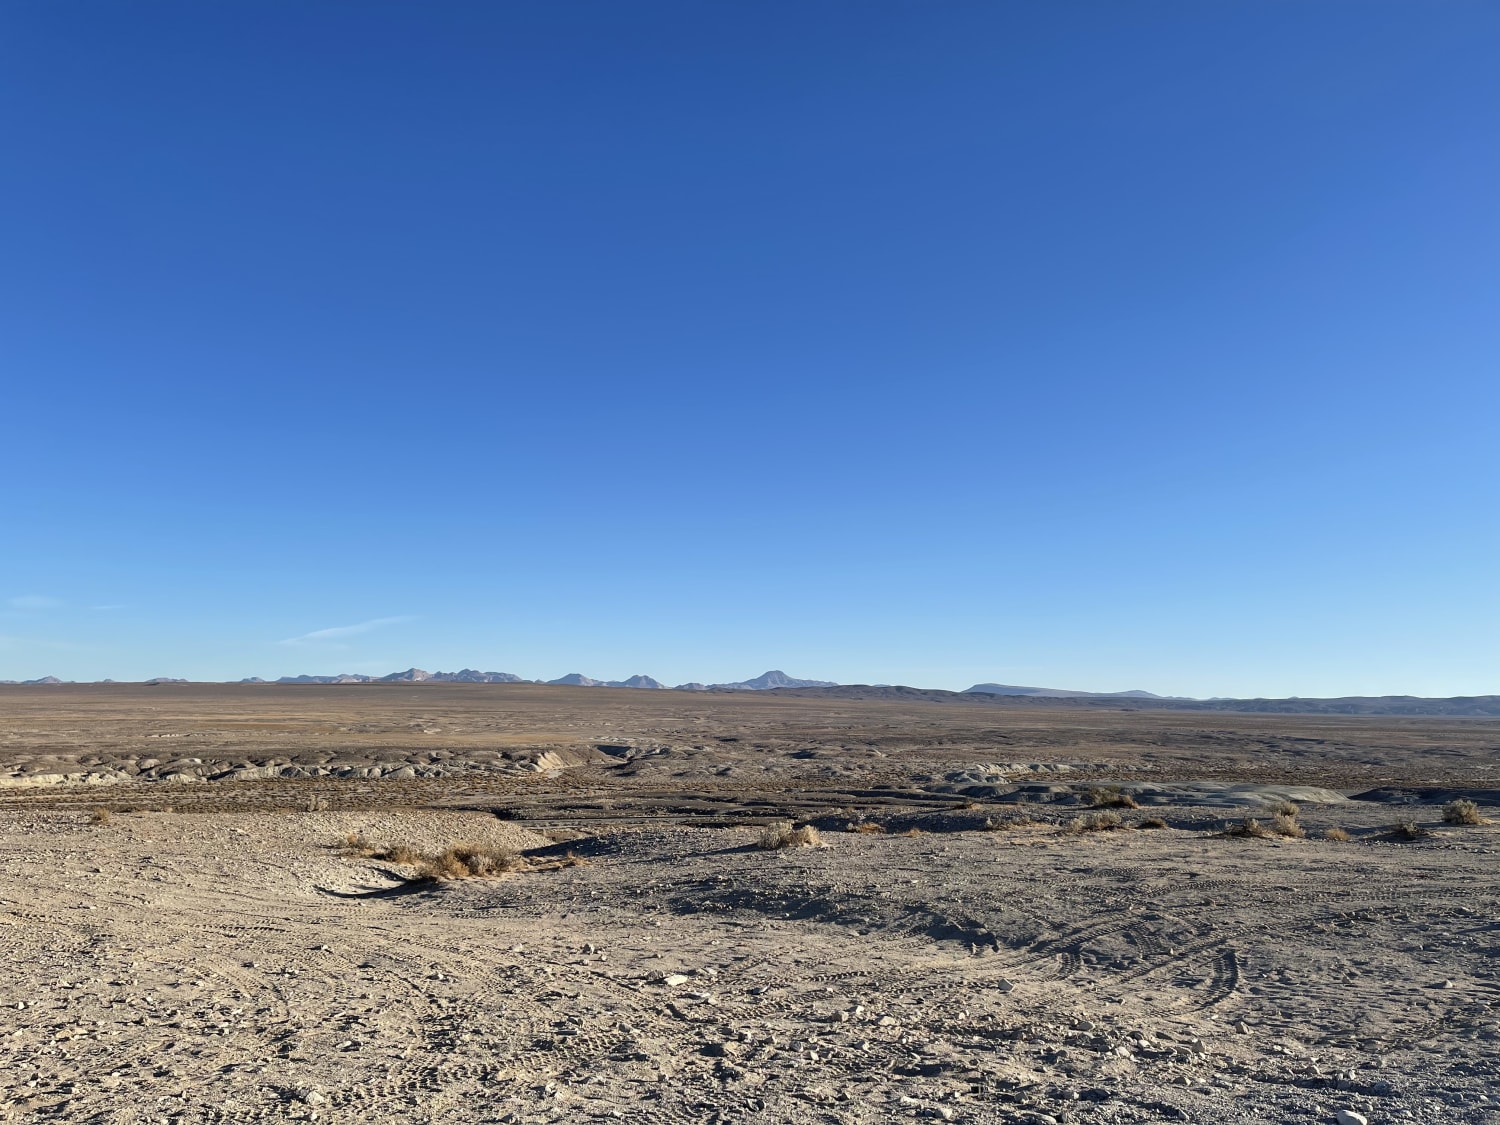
477,903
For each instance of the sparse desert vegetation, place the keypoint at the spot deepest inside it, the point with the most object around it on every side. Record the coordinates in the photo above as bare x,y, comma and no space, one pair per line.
1461,811
468,861
783,834
1405,829
1096,822
1111,797
1337,835
1282,826
1250,828
1285,824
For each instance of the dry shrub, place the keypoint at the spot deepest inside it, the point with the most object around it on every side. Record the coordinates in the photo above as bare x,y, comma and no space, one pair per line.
1249,827
398,853
1096,822
867,828
1153,822
1405,829
1111,797
912,832
1337,835
467,861
781,834
1285,825
99,816
457,861
1462,811
1009,823
1282,808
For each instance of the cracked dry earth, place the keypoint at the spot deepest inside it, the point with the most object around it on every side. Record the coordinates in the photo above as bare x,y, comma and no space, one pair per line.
187,968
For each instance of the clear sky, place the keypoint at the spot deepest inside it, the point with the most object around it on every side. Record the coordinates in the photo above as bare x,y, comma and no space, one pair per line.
1091,345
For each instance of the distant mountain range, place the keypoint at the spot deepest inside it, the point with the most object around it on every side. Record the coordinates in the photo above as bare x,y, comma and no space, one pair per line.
1064,693
1479,706
1458,706
764,682
410,676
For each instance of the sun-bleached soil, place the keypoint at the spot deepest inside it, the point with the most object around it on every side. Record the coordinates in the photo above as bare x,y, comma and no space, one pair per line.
231,960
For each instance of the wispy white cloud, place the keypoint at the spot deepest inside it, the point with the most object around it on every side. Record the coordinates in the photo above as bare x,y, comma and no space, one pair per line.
330,638
33,602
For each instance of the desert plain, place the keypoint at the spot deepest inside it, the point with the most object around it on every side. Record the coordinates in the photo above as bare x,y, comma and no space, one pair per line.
229,903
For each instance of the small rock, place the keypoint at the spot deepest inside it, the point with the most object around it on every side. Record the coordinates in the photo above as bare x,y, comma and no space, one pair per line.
312,1097
674,979
1242,1027
1004,985
1349,1117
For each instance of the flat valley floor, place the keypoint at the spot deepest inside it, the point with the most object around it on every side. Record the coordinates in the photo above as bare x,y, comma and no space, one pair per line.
973,938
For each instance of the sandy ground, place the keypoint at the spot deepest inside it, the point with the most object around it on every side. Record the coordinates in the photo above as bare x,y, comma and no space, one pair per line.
211,954
488,734
214,967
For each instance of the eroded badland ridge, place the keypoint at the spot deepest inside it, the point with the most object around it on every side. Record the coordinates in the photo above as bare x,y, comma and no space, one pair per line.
507,902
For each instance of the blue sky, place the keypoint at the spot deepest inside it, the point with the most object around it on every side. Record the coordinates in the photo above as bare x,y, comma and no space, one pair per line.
1091,345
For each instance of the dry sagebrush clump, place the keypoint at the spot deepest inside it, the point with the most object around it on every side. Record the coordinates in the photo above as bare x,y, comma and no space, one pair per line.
99,816
1462,811
468,861
1286,825
457,861
1153,822
1282,808
1337,835
1281,825
1111,797
1405,829
868,828
781,834
1250,828
1096,822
